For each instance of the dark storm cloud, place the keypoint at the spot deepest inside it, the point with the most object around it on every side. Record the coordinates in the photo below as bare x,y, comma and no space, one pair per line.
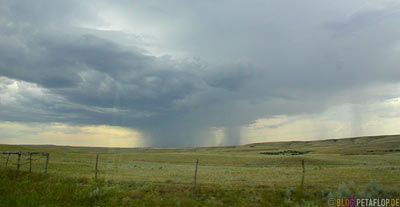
255,60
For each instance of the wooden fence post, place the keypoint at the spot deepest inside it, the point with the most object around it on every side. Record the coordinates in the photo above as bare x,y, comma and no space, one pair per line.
47,163
304,172
30,162
19,160
8,157
195,172
97,161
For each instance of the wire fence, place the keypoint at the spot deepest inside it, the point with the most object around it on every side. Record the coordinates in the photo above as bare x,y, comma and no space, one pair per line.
100,164
24,160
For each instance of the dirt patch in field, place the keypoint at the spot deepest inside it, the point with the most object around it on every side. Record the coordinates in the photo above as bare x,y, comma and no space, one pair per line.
286,152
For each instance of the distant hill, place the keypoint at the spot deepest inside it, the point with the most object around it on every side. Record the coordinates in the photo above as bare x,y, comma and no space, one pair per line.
344,146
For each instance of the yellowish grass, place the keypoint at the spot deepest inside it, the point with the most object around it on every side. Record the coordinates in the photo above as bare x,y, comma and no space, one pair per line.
329,163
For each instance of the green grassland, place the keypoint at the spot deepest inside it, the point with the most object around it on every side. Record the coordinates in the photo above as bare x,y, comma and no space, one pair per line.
261,174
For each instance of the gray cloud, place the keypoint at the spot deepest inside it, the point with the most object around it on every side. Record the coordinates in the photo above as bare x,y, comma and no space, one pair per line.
242,61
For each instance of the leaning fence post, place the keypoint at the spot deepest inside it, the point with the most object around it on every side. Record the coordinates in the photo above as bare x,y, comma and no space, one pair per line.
195,172
19,160
8,157
47,163
304,172
97,161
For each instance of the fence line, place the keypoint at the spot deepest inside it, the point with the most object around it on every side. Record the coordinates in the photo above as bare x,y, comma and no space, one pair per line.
46,154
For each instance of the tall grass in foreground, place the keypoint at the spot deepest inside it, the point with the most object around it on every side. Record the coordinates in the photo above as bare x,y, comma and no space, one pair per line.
36,189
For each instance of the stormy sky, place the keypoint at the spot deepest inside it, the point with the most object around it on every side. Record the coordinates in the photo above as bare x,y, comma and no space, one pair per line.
197,73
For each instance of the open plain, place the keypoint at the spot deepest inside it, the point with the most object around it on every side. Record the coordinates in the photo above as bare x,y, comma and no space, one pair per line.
260,174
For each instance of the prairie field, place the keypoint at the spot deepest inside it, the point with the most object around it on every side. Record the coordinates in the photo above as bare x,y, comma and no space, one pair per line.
260,174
